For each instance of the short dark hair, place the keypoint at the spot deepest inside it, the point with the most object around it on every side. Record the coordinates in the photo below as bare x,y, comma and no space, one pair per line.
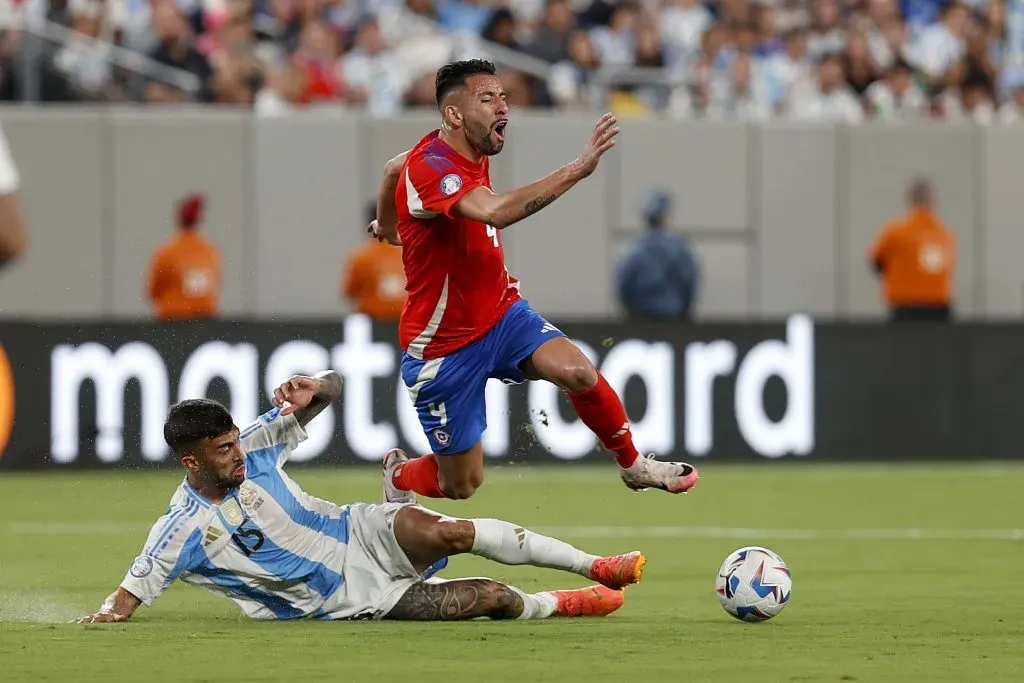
920,191
453,75
371,212
195,419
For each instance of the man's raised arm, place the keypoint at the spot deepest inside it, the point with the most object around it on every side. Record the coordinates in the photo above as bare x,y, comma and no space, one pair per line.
504,209
385,228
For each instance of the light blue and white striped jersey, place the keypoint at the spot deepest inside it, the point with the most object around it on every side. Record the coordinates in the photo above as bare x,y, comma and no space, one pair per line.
269,547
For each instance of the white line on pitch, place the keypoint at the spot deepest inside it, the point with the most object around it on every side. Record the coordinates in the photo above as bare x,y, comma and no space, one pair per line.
893,534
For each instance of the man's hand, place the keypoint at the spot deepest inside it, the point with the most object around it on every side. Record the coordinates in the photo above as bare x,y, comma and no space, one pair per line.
297,392
101,618
382,235
600,142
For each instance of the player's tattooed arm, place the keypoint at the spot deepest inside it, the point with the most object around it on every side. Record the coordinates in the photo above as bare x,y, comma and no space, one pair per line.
119,606
502,210
308,396
457,600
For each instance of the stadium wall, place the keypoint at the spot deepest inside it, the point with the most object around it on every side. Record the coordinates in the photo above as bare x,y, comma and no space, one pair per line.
781,215
95,395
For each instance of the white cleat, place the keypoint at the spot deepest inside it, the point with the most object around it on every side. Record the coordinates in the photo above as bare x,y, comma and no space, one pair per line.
648,473
393,494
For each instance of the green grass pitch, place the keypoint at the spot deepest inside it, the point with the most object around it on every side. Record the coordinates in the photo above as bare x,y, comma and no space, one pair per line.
901,573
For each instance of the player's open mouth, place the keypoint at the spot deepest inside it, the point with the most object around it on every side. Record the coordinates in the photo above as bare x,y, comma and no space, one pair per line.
499,129
239,471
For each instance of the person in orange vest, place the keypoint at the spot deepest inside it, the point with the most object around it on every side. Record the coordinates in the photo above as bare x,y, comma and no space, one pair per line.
185,273
916,257
374,278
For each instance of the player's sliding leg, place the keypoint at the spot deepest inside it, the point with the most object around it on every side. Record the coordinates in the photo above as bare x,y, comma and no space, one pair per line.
560,362
456,475
427,537
463,599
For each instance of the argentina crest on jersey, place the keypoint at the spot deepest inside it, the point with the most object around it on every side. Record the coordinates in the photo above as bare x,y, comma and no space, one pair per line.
141,567
451,184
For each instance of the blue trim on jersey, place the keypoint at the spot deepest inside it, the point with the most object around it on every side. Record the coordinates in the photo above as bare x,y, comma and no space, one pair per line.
193,494
263,460
272,482
438,163
224,578
287,566
191,556
171,527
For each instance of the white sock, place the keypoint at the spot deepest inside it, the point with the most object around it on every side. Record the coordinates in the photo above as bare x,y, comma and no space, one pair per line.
510,544
536,605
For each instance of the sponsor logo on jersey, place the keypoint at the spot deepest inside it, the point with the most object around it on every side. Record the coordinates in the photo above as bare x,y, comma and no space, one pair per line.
141,567
451,184
6,400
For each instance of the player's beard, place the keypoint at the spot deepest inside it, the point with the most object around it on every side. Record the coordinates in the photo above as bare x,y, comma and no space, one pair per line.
487,143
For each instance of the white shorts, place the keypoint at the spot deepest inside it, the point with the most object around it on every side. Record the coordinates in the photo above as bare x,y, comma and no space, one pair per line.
376,570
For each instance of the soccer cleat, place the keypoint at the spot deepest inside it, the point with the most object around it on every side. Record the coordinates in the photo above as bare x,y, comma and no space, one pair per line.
593,601
648,473
393,494
434,568
619,571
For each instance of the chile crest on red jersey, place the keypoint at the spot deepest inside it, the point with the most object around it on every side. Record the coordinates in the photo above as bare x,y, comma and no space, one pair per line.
455,267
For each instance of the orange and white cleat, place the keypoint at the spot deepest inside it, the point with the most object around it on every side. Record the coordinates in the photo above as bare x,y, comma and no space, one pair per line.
619,571
593,601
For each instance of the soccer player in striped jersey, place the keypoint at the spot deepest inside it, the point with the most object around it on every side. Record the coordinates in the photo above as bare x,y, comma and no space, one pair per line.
240,527
465,321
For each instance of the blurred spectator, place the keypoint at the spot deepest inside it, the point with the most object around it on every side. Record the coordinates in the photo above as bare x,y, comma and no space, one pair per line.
13,229
283,92
829,98
551,39
860,67
1012,111
768,42
789,69
372,75
915,256
318,54
571,79
176,48
185,273
941,44
683,22
897,97
616,42
658,279
741,96
84,62
374,277
827,36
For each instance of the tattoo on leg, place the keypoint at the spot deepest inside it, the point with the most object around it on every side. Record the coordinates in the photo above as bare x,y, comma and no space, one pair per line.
535,205
457,600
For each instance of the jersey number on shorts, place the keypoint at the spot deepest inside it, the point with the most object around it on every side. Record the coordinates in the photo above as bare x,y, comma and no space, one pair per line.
492,232
439,412
241,533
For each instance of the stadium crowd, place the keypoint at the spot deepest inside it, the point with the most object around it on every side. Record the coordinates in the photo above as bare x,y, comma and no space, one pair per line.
843,60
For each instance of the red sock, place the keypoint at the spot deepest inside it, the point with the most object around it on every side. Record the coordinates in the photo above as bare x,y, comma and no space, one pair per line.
420,476
600,409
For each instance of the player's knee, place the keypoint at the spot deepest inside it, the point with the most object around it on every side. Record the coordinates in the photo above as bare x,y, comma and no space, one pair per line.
578,377
456,536
462,487
502,601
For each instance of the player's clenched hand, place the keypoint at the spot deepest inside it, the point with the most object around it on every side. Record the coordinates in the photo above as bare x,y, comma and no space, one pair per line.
101,618
296,393
378,234
600,142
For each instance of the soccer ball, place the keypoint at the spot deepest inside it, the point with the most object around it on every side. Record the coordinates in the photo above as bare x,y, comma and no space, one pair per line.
754,584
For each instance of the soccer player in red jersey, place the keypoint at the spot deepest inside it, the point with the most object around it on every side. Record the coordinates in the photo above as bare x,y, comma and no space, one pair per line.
465,321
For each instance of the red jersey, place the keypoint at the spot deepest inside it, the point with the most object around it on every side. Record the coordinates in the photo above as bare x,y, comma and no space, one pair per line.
454,267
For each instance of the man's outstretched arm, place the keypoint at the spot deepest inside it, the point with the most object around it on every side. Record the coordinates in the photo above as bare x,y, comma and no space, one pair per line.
504,209
119,606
